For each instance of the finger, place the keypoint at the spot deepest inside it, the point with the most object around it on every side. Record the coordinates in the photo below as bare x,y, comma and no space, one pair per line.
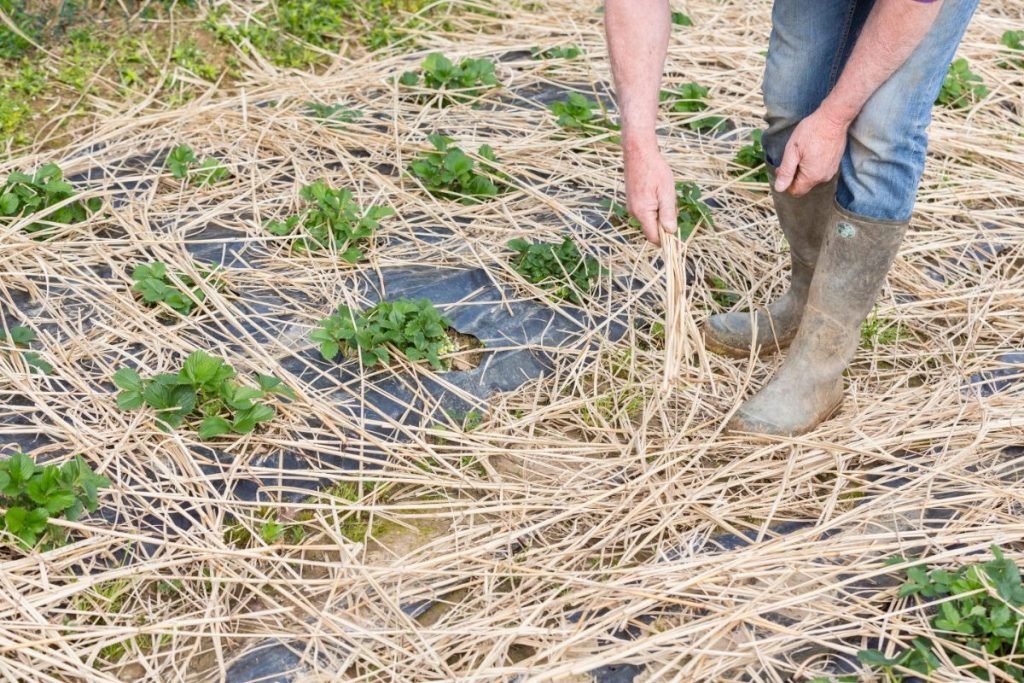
667,209
649,224
788,169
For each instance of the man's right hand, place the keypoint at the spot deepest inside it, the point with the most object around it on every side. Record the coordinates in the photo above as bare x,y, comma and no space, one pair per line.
650,190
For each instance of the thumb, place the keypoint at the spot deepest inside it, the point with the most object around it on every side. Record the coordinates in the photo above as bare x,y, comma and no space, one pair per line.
787,170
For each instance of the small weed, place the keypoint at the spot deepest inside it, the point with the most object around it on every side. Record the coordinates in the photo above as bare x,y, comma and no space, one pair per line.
577,113
414,328
681,19
691,211
452,83
182,162
25,195
450,173
155,285
12,45
875,331
750,160
557,267
961,87
720,292
557,52
692,99
191,58
18,340
979,611
270,529
332,115
1013,41
32,494
205,391
332,221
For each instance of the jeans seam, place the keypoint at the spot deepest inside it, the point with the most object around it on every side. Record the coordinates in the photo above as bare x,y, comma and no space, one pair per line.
841,44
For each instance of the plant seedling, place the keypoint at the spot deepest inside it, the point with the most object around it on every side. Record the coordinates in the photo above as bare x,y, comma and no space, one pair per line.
25,195
577,113
32,494
415,328
205,391
557,267
691,211
453,83
184,165
979,612
691,99
332,115
557,52
1013,41
155,285
962,87
18,340
333,221
449,173
681,19
750,159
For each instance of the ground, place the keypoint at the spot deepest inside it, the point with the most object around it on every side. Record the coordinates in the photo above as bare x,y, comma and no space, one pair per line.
541,508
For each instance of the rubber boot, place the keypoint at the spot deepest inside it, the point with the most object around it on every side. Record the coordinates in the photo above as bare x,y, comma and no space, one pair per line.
854,259
802,220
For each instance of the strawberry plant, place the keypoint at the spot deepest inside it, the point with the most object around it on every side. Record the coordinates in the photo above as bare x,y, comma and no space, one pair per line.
691,211
332,220
1013,41
557,267
962,87
184,165
180,292
979,614
32,494
453,83
204,392
750,160
450,173
557,52
331,115
692,99
414,328
26,195
576,113
18,340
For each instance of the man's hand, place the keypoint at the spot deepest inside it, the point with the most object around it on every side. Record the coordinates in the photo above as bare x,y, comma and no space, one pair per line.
812,154
650,191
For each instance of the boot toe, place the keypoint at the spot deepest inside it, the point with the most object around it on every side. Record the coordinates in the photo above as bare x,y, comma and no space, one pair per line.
774,413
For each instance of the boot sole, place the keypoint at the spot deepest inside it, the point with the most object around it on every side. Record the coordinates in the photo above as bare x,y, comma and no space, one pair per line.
722,349
769,436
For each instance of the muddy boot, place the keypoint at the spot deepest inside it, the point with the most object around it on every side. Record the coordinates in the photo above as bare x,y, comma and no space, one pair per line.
808,389
803,222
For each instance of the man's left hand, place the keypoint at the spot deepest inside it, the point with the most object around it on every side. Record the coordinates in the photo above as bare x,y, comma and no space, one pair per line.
812,154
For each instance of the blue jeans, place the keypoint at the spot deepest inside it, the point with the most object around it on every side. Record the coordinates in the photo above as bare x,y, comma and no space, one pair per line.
809,45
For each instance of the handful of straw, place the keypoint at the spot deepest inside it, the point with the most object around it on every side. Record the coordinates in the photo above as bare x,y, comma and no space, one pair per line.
679,324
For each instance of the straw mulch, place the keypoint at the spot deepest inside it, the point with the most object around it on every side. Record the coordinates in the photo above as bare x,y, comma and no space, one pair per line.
583,503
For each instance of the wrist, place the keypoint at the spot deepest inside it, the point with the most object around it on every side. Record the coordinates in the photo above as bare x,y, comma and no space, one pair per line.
639,143
837,113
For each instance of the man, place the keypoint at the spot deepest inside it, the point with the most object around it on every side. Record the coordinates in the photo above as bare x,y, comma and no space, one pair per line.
848,91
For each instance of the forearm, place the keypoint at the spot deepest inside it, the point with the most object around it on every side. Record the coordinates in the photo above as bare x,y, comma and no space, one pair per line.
893,29
637,32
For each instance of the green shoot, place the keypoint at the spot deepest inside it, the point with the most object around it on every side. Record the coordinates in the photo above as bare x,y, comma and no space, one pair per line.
204,393
331,221
184,165
155,285
577,113
449,173
414,328
453,83
27,195
557,267
557,52
750,160
691,99
961,87
18,340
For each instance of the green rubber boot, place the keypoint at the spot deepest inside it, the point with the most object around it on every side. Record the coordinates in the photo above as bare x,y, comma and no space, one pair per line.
803,222
854,259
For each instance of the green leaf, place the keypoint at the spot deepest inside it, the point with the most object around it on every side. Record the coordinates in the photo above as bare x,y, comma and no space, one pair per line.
213,426
128,379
